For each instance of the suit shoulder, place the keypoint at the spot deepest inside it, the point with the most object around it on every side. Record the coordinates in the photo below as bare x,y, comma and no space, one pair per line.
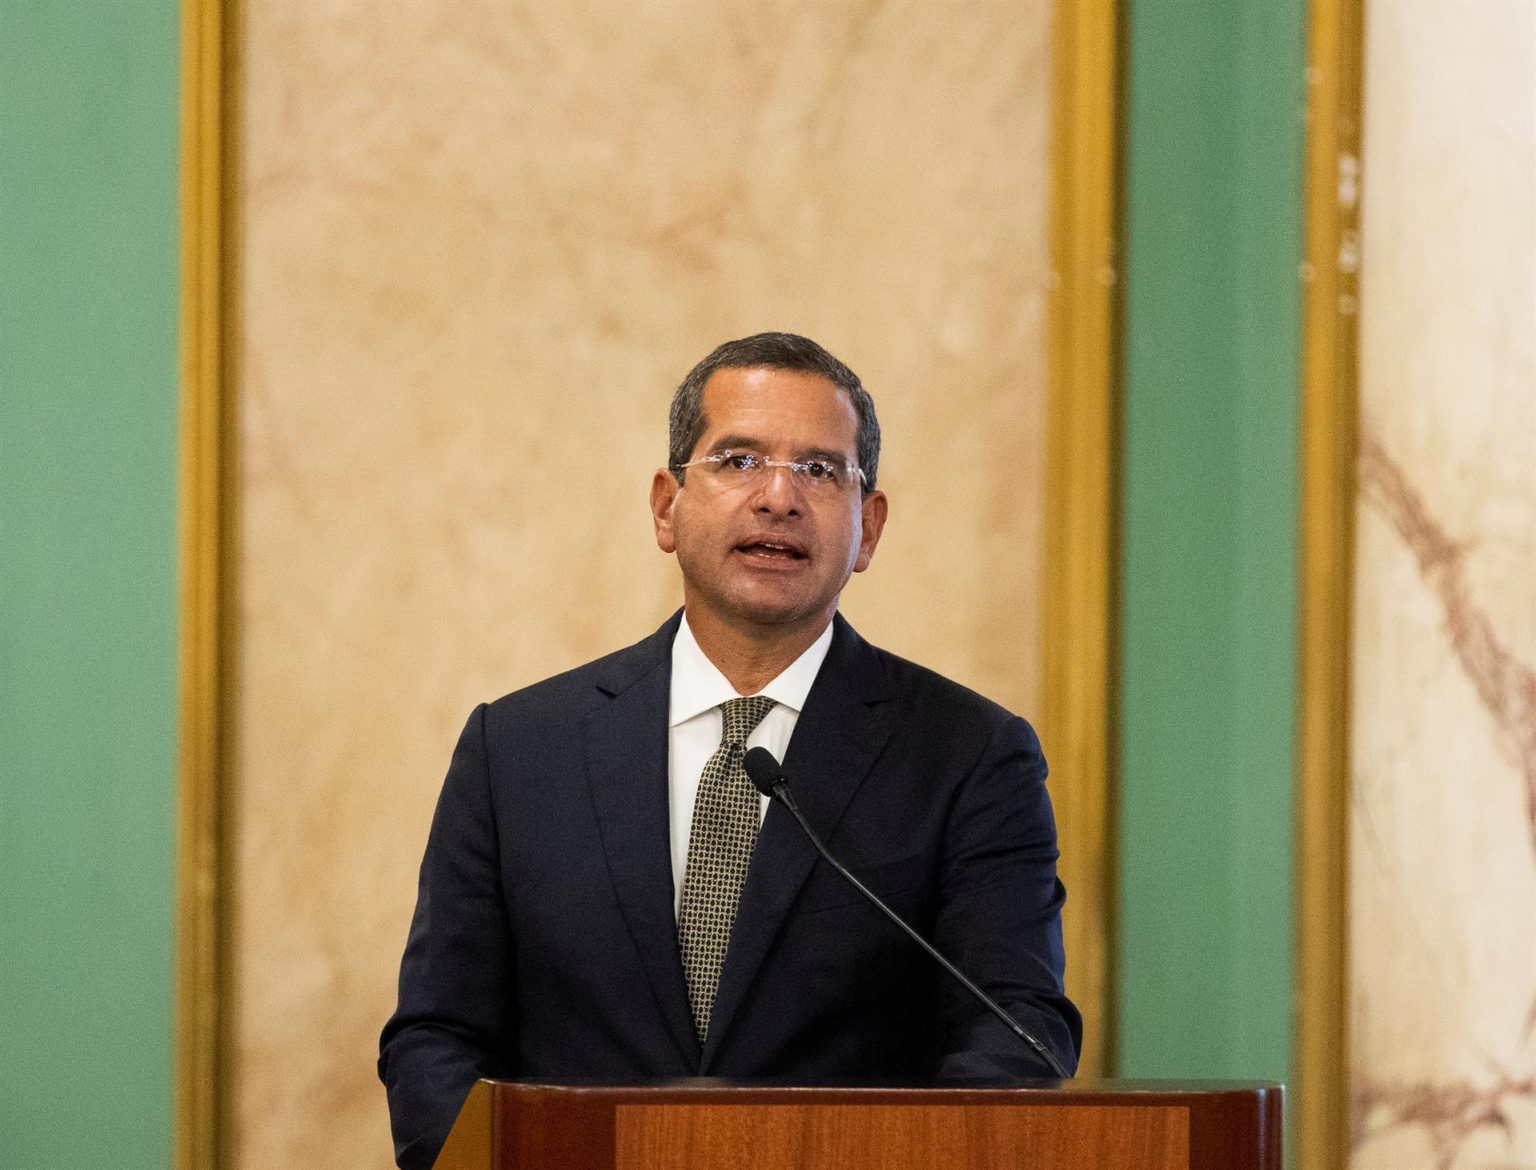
942,719
573,692
939,699
937,693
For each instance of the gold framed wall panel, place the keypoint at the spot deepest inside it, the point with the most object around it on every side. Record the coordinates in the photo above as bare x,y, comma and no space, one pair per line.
1077,595
1328,445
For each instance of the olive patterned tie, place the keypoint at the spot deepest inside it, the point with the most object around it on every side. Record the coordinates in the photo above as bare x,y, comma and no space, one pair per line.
725,818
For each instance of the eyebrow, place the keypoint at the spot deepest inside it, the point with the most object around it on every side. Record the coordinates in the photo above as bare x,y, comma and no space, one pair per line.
738,442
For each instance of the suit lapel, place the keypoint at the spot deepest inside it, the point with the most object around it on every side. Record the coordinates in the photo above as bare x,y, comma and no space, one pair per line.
626,740
846,721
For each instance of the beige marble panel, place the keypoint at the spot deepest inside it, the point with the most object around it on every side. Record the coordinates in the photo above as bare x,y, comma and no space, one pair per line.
480,243
1443,843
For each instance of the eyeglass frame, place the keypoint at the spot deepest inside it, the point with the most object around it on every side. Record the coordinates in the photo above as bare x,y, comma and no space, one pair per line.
796,466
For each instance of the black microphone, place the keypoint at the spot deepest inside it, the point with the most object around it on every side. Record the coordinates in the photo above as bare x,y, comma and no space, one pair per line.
767,776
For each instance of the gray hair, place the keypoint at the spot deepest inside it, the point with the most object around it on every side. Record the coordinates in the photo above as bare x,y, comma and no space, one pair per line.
777,351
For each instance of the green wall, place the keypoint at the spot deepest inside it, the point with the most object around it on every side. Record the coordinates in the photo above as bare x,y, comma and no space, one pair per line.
88,288
1213,142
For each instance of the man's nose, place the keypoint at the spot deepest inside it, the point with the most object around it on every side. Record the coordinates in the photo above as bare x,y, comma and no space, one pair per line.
777,492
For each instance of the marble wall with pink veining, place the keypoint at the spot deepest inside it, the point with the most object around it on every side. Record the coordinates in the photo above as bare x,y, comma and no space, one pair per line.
478,245
1443,835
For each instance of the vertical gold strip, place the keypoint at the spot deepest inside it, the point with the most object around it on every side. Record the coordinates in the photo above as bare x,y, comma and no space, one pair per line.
1328,440
1079,555
202,646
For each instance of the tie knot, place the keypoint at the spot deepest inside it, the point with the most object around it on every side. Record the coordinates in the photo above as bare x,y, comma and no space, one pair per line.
741,717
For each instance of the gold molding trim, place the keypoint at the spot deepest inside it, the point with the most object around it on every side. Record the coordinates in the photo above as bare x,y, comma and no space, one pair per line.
1078,594
203,617
1329,422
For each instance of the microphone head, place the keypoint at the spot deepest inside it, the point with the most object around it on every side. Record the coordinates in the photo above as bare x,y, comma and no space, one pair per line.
763,770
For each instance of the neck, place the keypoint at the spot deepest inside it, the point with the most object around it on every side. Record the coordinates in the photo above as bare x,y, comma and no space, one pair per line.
752,657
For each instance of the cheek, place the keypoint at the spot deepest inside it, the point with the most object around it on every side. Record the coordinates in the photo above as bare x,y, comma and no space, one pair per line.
695,530
848,537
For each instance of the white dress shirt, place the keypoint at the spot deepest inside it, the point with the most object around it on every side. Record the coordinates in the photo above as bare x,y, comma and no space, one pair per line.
694,726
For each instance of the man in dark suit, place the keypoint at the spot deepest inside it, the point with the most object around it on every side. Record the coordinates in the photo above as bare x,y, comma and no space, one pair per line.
605,898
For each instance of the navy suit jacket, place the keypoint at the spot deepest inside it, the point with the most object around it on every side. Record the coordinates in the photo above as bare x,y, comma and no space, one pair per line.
544,943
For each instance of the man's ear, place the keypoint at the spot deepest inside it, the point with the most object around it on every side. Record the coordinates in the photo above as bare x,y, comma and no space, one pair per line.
873,509
664,489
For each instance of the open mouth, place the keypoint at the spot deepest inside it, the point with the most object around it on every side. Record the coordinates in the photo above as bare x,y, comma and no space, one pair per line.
771,550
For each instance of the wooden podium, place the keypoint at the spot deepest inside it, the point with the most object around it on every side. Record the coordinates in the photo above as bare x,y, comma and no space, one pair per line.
1081,1125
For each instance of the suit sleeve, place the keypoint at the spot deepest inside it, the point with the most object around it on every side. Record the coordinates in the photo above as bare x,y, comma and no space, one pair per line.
454,1022
999,916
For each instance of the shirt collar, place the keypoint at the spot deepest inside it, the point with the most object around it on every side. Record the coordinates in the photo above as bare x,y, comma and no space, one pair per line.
698,685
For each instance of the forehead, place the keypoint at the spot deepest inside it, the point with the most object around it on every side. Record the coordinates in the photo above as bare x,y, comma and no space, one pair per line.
779,408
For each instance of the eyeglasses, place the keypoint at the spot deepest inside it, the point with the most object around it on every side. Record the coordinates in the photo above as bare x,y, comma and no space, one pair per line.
743,468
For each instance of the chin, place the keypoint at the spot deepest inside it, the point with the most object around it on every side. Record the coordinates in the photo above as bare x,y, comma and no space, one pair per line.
780,615
768,615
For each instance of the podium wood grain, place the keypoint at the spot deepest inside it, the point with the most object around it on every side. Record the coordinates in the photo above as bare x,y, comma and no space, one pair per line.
1108,1125
899,1137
